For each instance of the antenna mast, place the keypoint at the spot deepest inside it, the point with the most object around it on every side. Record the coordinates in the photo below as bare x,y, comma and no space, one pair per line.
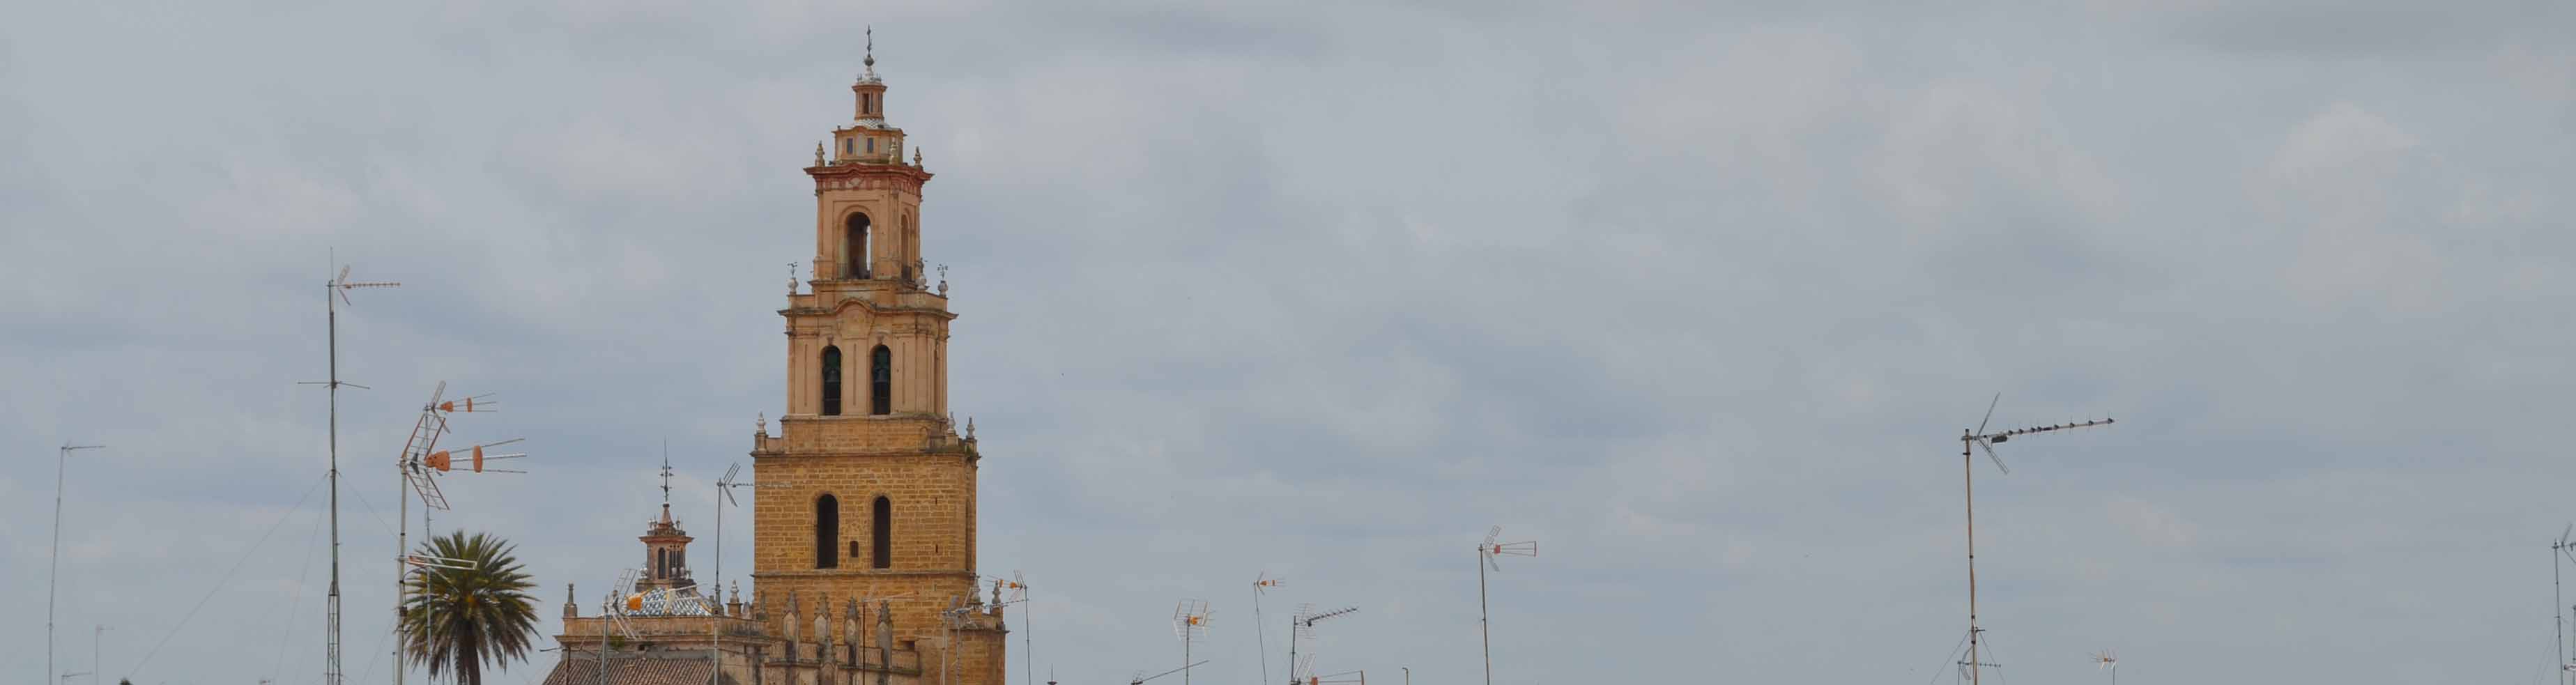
1189,620
1262,584
1485,554
62,456
419,465
334,294
2563,549
1302,629
724,499
1969,442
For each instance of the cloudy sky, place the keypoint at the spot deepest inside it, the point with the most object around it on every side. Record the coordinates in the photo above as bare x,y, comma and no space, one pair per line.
1699,297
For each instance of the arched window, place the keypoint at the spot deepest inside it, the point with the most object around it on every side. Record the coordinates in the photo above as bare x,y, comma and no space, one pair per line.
881,533
827,532
881,381
831,380
854,247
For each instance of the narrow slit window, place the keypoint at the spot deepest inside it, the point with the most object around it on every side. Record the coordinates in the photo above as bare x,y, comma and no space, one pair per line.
827,532
881,533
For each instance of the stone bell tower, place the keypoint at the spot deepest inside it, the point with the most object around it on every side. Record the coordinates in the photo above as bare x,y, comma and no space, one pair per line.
872,488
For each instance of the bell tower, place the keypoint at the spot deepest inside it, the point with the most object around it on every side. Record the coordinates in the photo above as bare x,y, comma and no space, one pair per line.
871,487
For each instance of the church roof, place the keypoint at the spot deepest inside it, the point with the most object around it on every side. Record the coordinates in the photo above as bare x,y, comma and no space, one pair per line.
634,670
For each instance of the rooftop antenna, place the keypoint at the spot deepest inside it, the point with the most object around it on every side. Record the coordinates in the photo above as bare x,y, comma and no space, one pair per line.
724,499
1485,555
1302,630
950,620
2563,549
1141,677
2107,661
334,294
724,493
94,637
1261,584
1018,593
612,613
1189,620
419,466
62,455
1979,439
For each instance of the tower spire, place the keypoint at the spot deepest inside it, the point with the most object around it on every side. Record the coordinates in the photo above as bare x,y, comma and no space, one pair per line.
666,481
870,61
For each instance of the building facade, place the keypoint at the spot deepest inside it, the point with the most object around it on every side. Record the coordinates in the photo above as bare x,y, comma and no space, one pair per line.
863,561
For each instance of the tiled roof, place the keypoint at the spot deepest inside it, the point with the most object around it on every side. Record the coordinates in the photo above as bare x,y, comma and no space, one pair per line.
633,670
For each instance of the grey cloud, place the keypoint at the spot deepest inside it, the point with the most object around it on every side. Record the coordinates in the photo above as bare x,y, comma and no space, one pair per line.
1694,296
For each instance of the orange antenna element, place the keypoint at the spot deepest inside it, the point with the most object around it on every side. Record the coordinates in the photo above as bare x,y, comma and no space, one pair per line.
420,464
1189,621
443,460
1486,552
469,404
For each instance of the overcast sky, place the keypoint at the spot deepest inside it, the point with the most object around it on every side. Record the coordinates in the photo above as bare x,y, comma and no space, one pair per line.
1697,297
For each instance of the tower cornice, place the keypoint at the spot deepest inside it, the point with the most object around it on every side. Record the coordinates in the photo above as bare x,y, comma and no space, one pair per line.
862,176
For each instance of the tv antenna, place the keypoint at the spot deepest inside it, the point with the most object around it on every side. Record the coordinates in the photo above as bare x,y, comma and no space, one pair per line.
612,614
62,456
1969,442
419,467
1486,552
1302,630
2565,549
334,294
1018,588
2106,661
1189,621
1141,677
1261,584
724,493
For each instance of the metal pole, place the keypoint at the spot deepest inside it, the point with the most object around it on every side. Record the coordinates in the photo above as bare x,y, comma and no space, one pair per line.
402,546
603,638
1029,640
1292,647
1967,469
715,607
61,457
1262,640
2557,621
331,649
1484,620
93,653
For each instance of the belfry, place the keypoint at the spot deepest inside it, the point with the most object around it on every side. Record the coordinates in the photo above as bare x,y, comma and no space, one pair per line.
863,531
872,487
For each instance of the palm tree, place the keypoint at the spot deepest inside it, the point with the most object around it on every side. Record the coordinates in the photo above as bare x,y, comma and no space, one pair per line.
470,608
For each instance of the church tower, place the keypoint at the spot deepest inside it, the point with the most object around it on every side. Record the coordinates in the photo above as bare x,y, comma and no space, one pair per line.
870,487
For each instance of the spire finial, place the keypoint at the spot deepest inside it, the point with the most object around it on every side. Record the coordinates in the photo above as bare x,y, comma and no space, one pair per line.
871,60
666,479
